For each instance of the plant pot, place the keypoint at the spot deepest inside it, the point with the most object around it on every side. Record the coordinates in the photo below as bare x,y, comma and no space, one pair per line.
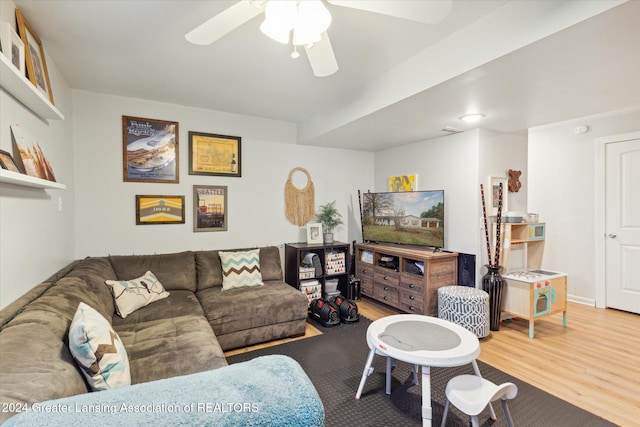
328,238
493,284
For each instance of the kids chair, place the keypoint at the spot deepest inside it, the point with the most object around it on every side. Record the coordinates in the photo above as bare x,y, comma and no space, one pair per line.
471,394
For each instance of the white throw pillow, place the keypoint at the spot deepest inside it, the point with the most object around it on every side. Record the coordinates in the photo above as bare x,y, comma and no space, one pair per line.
130,295
98,350
240,269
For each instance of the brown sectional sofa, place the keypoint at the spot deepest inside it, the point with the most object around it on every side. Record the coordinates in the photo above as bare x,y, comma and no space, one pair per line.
182,334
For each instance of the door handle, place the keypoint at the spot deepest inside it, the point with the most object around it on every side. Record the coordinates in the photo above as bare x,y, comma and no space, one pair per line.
611,236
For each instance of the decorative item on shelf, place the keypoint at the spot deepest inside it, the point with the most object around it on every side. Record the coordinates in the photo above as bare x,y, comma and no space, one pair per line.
314,233
30,158
35,58
330,219
299,203
492,281
514,181
7,162
12,46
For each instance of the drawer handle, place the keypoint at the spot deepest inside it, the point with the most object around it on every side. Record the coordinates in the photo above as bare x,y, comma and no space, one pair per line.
411,286
411,297
385,278
412,308
385,298
386,288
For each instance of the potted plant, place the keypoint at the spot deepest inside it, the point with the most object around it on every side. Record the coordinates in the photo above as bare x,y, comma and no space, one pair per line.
330,218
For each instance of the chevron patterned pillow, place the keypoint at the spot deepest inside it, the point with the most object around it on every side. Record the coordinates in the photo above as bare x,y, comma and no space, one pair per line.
240,269
98,350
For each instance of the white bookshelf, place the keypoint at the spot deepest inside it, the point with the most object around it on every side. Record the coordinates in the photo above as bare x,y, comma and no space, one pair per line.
12,81
16,178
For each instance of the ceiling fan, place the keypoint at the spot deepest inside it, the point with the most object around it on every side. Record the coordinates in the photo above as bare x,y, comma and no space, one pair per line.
289,20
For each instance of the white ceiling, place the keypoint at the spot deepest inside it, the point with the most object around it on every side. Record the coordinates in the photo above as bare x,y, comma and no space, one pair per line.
399,81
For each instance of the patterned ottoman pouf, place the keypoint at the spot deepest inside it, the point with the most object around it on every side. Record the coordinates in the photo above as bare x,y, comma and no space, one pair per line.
465,306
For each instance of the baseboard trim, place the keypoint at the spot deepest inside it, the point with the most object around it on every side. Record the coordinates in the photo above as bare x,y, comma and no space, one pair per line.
581,300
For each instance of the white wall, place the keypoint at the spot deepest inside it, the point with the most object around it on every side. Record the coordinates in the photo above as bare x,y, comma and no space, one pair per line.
500,152
35,238
458,164
562,181
449,163
105,220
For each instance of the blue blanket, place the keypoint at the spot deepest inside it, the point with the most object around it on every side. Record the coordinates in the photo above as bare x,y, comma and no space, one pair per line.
266,391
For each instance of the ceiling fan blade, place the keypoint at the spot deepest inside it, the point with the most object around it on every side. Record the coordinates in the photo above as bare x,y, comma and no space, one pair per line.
323,61
428,12
223,23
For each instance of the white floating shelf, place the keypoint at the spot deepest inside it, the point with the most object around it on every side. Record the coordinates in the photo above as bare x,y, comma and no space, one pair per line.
16,178
24,91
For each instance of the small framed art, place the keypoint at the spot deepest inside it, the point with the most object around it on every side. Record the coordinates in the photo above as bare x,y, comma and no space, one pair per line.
218,155
209,208
314,233
150,150
494,193
34,55
7,162
159,210
12,46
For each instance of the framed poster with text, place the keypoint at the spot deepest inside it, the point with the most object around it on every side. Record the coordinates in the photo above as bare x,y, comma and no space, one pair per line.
217,155
209,208
150,150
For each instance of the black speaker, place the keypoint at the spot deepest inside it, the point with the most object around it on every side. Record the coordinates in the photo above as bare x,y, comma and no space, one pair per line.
325,312
348,309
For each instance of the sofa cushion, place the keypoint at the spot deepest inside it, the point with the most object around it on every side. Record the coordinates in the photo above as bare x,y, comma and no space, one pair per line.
208,269
270,265
246,308
133,294
36,366
175,271
168,347
178,303
94,271
240,269
98,350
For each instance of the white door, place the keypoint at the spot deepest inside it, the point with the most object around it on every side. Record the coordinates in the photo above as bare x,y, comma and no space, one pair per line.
622,225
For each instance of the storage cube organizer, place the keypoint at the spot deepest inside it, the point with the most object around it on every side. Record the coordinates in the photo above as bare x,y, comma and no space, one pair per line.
465,306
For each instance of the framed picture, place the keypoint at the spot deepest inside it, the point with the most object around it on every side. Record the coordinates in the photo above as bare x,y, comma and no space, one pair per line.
211,154
12,46
314,233
7,162
403,183
34,55
209,208
149,150
159,210
494,192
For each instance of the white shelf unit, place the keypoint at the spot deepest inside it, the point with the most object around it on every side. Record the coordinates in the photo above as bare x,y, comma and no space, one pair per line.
16,178
24,91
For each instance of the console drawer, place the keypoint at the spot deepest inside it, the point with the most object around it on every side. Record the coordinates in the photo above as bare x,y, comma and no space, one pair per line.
412,283
363,269
366,286
386,293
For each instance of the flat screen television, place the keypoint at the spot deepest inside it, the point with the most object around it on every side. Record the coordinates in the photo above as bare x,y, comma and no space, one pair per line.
409,218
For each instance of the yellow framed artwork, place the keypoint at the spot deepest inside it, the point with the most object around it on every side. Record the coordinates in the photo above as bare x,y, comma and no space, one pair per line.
159,210
211,154
403,183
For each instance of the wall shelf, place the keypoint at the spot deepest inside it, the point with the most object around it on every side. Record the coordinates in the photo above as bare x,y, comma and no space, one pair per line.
16,178
24,91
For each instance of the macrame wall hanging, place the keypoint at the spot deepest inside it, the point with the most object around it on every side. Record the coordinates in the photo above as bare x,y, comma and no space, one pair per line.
299,203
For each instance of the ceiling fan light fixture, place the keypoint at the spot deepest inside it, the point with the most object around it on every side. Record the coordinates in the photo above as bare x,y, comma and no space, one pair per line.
313,16
274,32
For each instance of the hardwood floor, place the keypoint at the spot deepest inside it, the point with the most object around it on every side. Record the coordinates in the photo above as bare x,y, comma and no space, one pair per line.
593,363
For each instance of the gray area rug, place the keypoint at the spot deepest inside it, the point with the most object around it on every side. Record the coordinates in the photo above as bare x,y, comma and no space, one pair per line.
335,360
